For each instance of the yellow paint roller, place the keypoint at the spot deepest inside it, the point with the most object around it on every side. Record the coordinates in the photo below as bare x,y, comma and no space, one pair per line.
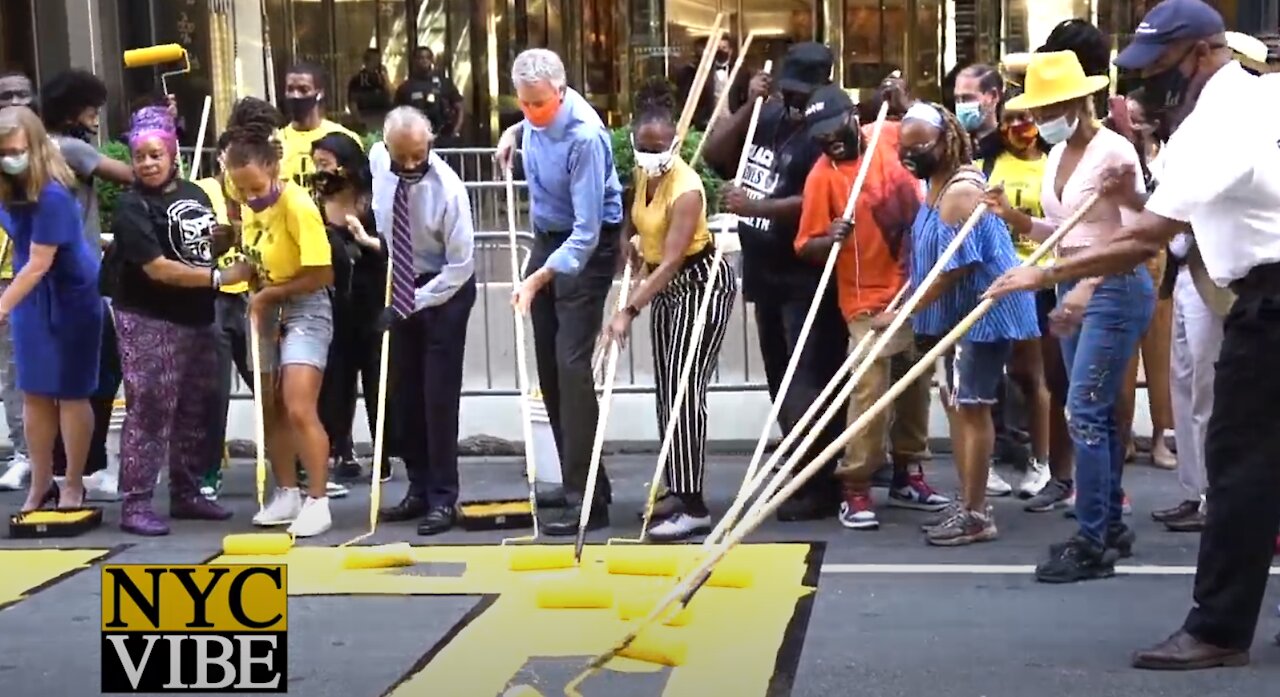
658,645
540,558
159,55
257,545
637,607
378,556
643,561
573,594
731,573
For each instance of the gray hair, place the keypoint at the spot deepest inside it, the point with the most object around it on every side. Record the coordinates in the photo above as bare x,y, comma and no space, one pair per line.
405,117
536,65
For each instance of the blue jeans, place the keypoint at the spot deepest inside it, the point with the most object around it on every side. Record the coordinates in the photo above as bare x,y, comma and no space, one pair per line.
1097,358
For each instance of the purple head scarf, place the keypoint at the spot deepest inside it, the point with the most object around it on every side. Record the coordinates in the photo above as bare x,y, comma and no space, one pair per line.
153,122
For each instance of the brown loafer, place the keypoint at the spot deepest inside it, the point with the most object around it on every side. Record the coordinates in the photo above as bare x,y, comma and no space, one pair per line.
1192,523
1185,652
1183,510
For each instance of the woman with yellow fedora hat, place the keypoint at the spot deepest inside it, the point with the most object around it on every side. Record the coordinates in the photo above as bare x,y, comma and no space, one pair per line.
1099,320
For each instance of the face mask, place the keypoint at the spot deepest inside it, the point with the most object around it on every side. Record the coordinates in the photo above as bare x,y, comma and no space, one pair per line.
921,164
722,56
329,183
654,164
1058,130
15,164
411,176
1163,94
541,116
262,203
969,114
82,132
1021,137
795,104
299,108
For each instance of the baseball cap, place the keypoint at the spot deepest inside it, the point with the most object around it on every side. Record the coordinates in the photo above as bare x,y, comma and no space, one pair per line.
1166,23
828,108
806,67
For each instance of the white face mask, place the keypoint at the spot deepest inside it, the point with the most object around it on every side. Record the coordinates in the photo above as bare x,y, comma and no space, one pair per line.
15,164
653,164
1057,130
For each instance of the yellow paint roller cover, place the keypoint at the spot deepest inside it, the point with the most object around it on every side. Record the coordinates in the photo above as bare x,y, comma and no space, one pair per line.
378,557
257,544
638,608
540,558
154,55
573,594
644,561
658,645
731,574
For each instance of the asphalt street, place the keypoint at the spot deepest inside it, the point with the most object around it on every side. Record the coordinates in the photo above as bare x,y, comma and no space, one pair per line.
891,616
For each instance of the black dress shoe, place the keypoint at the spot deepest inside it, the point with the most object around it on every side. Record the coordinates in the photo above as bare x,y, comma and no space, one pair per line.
1192,523
411,507
438,520
1186,509
1185,652
565,523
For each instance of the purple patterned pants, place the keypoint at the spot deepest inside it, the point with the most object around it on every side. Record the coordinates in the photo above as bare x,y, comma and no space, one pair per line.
171,385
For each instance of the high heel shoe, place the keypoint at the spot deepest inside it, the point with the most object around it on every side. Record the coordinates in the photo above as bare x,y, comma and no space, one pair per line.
78,505
50,499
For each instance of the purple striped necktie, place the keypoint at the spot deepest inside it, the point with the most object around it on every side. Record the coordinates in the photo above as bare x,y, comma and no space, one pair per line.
401,254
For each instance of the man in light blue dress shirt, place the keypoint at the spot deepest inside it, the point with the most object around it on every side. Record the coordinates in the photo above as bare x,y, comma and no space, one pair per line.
576,208
424,216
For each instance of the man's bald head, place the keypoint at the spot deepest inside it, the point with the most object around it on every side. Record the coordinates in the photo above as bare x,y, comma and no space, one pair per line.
407,133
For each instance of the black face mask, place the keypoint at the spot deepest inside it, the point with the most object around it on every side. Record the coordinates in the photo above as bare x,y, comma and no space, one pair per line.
921,164
722,56
328,183
795,104
299,108
81,131
411,176
1164,95
845,145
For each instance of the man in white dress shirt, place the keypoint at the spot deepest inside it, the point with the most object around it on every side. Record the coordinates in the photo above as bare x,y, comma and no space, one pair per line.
424,215
1219,176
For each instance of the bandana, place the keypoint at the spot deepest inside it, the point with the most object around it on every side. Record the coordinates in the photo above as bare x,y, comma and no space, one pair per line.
153,122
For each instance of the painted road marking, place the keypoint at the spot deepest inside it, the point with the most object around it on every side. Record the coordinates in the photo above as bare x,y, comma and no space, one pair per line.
29,571
995,569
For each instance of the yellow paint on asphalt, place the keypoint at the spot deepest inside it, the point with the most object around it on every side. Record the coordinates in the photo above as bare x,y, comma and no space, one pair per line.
22,570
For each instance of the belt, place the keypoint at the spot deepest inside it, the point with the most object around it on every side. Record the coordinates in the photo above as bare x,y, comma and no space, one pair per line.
691,260
1261,280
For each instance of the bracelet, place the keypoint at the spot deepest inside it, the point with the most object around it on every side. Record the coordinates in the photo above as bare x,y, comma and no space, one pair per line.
632,311
215,278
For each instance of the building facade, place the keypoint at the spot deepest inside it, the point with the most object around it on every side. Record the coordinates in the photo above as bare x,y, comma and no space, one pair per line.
240,47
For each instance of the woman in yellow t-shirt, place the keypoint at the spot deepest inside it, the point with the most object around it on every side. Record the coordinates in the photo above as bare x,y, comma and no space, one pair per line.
1037,365
283,237
669,215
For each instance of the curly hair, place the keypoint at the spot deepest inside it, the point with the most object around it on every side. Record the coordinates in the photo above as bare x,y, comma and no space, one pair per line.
655,102
1091,46
251,133
65,96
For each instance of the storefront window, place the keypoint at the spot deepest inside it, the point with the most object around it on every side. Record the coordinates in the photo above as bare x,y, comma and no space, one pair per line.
17,37
878,37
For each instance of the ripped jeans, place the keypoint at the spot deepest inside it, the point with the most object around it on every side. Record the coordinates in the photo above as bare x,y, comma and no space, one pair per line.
1097,358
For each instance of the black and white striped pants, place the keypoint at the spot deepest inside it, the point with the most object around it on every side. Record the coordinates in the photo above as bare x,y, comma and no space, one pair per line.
674,312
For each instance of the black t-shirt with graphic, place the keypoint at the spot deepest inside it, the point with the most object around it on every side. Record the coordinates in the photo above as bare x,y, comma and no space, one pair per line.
176,224
777,166
435,96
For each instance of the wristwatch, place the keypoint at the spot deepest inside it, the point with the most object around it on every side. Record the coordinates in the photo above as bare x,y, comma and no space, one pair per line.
632,311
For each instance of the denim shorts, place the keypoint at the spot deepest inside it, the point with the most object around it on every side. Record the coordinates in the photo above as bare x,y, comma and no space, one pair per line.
298,332
975,370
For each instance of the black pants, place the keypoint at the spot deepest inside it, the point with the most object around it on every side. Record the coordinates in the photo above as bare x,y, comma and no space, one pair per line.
355,355
1242,461
778,326
567,317
230,325
426,355
109,379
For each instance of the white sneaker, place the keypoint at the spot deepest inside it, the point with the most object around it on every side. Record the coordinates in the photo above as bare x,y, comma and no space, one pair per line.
314,519
996,485
19,473
335,490
282,509
102,485
1036,477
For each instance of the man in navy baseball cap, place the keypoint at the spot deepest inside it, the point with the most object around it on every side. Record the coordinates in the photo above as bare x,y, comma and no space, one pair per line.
1178,46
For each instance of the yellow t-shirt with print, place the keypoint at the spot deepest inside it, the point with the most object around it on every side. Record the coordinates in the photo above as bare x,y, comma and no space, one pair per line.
286,237
296,164
6,248
217,197
1022,181
652,218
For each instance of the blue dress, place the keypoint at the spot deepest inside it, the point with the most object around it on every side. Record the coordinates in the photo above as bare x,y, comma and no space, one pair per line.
57,328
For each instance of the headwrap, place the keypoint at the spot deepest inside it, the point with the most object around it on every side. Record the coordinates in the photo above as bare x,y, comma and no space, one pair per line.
153,122
925,112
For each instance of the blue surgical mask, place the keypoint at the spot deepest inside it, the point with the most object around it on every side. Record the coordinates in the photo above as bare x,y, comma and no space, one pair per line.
1058,130
969,114
15,164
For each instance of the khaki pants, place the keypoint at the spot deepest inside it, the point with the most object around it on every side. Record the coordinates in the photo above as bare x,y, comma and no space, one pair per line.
905,427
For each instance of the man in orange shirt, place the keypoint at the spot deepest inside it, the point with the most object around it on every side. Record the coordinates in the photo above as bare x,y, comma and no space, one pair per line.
870,270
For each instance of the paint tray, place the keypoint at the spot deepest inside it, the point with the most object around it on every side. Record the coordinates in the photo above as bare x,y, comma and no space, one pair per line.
495,514
50,523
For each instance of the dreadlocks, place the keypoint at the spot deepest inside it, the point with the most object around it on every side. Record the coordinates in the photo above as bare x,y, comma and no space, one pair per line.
251,133
957,151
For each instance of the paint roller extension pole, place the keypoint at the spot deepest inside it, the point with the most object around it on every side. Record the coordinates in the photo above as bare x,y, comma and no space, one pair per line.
602,421
776,407
204,129
259,415
683,591
522,366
